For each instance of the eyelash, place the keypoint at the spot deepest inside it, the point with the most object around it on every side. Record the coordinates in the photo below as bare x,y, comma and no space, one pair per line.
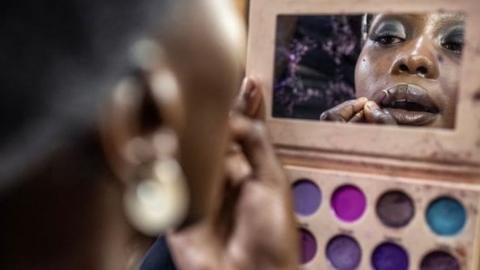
386,39
390,39
456,47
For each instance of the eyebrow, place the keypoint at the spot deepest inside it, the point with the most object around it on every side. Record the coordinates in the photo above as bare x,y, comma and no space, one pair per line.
446,19
449,21
456,16
460,16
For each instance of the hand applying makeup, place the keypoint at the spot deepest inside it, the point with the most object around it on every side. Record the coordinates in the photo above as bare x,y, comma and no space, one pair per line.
357,111
253,226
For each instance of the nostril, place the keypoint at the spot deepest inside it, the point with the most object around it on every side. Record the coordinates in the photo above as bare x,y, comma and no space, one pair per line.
403,68
422,71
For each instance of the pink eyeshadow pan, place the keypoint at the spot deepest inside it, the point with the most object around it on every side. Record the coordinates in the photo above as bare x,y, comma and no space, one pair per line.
348,203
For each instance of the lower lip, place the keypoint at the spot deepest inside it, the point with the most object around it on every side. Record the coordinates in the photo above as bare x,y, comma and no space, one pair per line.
412,118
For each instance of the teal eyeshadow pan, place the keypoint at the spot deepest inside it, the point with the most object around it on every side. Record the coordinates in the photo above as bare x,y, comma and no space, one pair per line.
446,216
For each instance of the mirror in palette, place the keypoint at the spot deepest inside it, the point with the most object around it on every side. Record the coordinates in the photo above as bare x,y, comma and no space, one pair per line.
393,69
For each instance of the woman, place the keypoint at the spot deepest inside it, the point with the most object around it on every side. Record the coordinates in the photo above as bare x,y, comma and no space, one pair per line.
407,72
83,169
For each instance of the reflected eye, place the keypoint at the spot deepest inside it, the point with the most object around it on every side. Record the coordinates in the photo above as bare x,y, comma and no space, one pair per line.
456,47
388,32
453,41
388,40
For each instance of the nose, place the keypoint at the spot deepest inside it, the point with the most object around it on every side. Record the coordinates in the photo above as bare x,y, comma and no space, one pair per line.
417,59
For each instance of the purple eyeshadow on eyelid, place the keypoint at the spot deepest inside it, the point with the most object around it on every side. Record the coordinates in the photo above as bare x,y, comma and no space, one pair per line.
348,203
307,197
308,245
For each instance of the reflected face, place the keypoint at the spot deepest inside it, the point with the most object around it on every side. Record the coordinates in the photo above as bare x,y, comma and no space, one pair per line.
410,64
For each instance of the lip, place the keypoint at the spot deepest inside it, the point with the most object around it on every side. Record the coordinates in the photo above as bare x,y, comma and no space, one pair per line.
409,104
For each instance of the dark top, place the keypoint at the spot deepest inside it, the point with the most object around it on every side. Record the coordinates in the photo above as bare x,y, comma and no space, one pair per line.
158,257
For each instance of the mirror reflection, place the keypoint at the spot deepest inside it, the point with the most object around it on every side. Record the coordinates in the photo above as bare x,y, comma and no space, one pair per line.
394,69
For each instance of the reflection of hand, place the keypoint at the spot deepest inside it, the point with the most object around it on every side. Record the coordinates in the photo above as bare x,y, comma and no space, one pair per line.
254,226
357,111
376,115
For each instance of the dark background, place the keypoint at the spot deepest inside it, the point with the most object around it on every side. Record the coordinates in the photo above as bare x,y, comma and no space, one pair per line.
315,59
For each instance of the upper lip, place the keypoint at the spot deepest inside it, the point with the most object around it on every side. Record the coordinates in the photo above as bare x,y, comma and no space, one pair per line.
406,96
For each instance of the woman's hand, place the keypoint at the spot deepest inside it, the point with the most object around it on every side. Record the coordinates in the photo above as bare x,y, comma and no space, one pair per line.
360,110
254,226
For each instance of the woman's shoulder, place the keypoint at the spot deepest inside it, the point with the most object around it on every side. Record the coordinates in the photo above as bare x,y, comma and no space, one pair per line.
158,257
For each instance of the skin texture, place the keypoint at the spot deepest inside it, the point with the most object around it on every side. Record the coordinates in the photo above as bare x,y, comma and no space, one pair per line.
68,212
423,51
256,201
227,204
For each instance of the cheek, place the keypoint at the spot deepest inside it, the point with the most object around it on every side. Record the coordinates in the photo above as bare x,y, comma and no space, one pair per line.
449,80
372,72
369,75
362,76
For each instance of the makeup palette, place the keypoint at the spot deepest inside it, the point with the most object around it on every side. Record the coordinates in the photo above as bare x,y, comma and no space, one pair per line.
360,221
368,196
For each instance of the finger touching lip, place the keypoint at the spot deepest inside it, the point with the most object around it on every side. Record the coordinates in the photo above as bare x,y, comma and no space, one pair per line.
409,104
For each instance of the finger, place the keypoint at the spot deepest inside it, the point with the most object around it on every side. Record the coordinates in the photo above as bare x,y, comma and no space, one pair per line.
237,167
249,98
240,103
374,114
258,151
344,111
332,116
254,100
233,148
379,96
358,117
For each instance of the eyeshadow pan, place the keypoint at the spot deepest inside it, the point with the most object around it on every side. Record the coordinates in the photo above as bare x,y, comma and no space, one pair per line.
344,253
348,203
446,216
307,197
389,256
395,209
439,260
308,245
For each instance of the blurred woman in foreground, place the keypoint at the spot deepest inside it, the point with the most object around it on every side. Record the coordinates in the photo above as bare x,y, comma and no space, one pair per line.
85,171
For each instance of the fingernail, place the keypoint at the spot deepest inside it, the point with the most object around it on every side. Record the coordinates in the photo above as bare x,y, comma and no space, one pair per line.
371,105
246,84
362,99
251,91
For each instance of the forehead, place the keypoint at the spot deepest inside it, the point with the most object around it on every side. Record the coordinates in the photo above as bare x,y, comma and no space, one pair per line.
429,20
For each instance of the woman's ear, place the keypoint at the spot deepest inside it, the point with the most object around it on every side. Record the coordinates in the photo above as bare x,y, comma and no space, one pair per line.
139,133
143,104
123,137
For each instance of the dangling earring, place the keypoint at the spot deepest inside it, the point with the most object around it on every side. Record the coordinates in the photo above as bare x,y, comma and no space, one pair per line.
159,201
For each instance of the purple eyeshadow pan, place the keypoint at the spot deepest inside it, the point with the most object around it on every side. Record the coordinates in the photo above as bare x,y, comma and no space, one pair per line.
395,209
348,203
389,256
439,260
344,253
308,245
307,197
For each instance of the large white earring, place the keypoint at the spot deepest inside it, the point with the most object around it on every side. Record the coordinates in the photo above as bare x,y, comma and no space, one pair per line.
160,201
